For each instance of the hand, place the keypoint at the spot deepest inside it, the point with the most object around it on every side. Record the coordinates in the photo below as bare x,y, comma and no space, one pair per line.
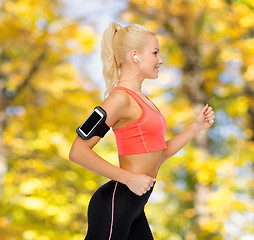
140,183
205,118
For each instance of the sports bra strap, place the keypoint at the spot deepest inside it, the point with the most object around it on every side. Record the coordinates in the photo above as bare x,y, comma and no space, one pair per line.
134,95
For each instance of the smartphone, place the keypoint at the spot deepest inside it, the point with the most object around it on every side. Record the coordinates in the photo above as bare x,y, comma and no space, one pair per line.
91,122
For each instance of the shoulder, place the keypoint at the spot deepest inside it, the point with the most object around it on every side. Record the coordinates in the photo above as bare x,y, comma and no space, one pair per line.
116,106
116,99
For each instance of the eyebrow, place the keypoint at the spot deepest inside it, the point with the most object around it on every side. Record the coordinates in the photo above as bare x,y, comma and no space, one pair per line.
157,49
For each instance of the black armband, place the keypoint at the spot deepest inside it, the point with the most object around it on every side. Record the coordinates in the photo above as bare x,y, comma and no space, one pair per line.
94,125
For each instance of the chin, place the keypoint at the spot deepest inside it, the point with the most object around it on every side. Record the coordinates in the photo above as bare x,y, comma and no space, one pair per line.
154,76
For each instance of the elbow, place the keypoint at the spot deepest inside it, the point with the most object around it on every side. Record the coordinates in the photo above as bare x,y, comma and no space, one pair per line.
79,149
76,153
72,154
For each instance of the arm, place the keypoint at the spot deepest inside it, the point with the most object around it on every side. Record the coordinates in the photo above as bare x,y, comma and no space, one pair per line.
204,120
116,106
81,153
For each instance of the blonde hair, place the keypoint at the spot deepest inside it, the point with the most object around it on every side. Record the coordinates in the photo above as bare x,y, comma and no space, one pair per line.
115,44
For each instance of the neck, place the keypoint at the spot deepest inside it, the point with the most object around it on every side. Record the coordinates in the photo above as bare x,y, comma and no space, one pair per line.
134,83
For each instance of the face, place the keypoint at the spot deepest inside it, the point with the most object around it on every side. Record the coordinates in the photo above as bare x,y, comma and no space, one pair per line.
150,58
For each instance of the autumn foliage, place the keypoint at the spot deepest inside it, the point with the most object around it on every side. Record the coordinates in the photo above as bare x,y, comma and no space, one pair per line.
204,192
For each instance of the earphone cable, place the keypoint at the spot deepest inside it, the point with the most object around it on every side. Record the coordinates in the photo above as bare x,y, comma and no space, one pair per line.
132,76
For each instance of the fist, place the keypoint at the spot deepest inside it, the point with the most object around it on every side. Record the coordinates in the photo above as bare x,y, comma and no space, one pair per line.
206,117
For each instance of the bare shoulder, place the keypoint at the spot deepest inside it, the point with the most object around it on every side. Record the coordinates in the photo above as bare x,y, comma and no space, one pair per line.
116,105
117,97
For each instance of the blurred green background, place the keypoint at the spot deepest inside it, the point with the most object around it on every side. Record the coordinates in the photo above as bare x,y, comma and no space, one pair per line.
50,80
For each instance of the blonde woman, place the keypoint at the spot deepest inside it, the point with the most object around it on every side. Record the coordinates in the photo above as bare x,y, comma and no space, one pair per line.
116,211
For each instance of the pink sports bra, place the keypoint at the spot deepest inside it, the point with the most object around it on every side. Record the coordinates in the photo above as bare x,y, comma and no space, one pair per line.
144,135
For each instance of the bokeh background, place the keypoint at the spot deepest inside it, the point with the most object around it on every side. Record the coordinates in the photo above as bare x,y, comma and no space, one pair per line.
50,80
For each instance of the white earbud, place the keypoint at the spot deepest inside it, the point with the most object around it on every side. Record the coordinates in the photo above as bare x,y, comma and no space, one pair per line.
136,57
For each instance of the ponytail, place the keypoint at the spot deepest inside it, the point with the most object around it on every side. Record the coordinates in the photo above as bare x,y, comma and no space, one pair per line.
110,66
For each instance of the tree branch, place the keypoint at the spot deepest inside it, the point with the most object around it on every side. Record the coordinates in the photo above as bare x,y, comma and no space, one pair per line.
31,73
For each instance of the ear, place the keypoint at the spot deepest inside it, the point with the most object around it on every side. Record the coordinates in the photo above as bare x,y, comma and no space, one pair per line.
133,54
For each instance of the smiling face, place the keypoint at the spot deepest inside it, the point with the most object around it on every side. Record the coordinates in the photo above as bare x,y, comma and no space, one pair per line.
150,58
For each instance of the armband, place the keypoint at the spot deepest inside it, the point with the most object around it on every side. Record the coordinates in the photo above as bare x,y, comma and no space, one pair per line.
94,125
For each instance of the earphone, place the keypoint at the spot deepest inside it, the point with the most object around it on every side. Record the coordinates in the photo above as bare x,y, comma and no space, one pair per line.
136,57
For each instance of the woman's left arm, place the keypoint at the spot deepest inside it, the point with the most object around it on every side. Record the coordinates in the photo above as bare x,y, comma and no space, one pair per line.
204,120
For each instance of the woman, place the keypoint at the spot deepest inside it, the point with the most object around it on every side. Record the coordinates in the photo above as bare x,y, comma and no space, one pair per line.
116,210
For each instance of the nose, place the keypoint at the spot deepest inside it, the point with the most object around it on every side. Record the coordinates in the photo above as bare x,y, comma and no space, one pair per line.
160,60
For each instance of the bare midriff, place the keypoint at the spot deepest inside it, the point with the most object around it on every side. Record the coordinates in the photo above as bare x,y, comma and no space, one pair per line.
145,163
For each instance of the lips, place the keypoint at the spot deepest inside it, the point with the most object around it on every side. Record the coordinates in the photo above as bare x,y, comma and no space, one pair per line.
157,68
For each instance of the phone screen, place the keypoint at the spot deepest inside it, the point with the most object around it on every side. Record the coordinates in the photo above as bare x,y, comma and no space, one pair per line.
91,122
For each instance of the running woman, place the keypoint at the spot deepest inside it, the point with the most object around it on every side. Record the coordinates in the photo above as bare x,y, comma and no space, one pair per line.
116,210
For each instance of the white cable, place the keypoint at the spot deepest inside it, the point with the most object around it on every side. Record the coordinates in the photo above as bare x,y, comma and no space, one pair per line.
134,75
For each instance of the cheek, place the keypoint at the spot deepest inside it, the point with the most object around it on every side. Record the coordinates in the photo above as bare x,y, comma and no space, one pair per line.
148,68
150,63
154,61
150,72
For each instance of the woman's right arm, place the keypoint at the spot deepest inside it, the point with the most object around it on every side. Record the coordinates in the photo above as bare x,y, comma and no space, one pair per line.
81,153
116,106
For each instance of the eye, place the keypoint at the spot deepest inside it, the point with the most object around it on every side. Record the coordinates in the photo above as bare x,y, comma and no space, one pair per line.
155,53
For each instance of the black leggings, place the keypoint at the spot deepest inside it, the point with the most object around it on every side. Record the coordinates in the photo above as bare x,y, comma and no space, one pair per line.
116,213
